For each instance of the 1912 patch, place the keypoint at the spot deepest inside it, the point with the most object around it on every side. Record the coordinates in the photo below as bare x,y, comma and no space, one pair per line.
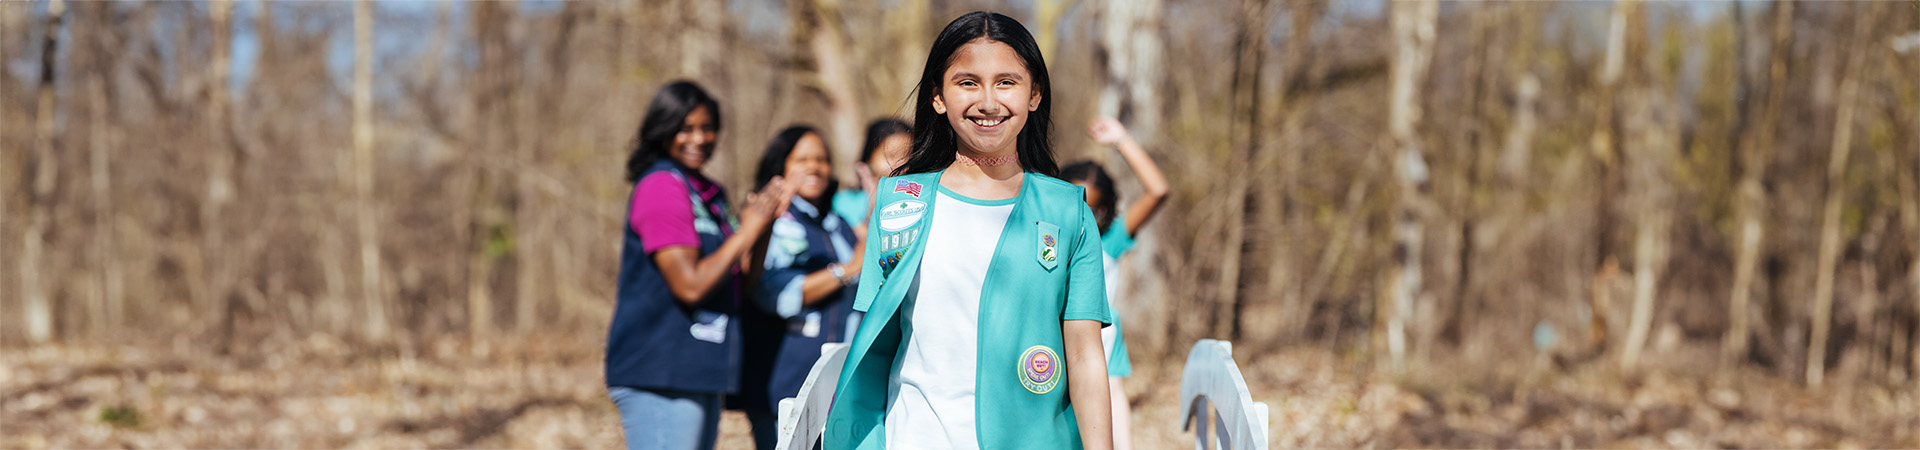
1039,369
900,240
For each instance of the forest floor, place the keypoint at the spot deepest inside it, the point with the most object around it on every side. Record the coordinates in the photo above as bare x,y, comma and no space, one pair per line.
546,392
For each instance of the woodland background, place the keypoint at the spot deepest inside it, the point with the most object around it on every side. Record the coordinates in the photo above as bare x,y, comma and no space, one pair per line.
378,224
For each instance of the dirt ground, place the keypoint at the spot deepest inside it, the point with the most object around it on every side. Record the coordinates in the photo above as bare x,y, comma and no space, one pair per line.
545,392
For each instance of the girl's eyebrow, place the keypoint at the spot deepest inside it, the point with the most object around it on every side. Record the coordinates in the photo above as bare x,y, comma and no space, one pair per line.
965,75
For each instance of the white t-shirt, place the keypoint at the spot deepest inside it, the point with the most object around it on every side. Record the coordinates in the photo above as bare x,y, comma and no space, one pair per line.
931,396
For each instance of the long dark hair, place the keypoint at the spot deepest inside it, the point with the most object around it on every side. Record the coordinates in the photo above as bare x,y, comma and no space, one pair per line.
934,142
774,161
666,115
1092,173
878,132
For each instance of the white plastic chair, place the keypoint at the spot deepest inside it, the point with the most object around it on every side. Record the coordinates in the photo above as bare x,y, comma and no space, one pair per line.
1211,385
803,419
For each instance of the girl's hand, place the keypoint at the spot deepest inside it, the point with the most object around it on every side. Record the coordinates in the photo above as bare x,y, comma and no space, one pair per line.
1108,131
764,206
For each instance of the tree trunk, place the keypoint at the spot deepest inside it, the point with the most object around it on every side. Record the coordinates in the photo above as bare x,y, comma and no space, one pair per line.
111,285
375,307
1913,202
484,217
1756,153
1131,44
700,40
1828,258
1651,142
40,195
824,36
1648,124
1413,35
1284,283
1606,157
1250,56
1481,69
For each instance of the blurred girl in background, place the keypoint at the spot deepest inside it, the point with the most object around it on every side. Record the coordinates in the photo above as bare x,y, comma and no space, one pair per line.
888,141
806,294
1116,238
673,350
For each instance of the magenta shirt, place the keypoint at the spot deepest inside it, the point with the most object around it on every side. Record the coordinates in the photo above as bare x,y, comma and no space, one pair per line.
663,216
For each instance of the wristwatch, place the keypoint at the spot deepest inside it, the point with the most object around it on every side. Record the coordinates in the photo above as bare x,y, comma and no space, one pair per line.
839,273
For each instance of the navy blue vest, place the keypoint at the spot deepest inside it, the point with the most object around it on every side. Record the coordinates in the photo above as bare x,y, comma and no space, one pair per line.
655,341
780,351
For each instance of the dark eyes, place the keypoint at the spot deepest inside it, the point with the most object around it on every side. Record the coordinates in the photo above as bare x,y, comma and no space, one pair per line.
970,83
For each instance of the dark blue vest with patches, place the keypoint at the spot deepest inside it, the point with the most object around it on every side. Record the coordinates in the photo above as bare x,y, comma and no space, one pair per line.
655,341
779,351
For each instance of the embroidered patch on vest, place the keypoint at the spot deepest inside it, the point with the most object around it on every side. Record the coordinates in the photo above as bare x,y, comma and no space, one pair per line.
1039,369
901,214
1049,255
909,187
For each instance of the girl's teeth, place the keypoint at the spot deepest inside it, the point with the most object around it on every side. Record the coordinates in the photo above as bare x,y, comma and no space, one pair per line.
987,122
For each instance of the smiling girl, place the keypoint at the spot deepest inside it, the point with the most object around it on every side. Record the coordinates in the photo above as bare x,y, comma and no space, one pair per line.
806,296
673,349
984,290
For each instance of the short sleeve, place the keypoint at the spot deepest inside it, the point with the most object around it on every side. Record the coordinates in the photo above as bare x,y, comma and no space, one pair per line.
662,214
1117,240
1086,276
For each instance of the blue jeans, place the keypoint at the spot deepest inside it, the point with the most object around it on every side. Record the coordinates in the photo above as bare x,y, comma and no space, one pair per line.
667,420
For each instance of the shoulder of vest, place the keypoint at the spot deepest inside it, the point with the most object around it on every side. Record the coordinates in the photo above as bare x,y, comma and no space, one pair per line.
1055,187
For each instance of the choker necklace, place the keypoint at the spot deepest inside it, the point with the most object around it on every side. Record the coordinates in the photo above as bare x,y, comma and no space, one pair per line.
994,161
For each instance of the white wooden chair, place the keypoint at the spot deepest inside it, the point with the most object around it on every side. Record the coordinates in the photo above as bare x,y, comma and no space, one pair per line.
803,419
1211,386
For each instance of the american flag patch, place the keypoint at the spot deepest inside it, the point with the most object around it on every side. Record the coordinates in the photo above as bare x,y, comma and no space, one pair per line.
909,187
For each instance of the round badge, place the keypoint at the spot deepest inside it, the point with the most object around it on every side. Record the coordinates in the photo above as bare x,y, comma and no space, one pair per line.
1039,369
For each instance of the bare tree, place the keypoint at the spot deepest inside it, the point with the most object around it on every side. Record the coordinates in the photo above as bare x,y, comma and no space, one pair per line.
481,211
40,194
1843,123
376,327
1649,122
1606,156
1755,154
820,30
1413,33
1131,45
111,283
1247,129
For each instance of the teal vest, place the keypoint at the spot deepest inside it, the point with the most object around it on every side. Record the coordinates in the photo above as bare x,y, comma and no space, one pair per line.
1046,268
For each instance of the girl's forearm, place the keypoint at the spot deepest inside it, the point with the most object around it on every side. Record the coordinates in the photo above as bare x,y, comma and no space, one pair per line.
1153,186
691,277
1152,182
1087,383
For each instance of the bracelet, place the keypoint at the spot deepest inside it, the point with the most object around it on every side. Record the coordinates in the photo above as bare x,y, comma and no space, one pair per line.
839,273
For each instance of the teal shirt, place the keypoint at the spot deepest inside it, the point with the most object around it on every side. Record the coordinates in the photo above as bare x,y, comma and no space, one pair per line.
1116,241
1036,283
851,204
